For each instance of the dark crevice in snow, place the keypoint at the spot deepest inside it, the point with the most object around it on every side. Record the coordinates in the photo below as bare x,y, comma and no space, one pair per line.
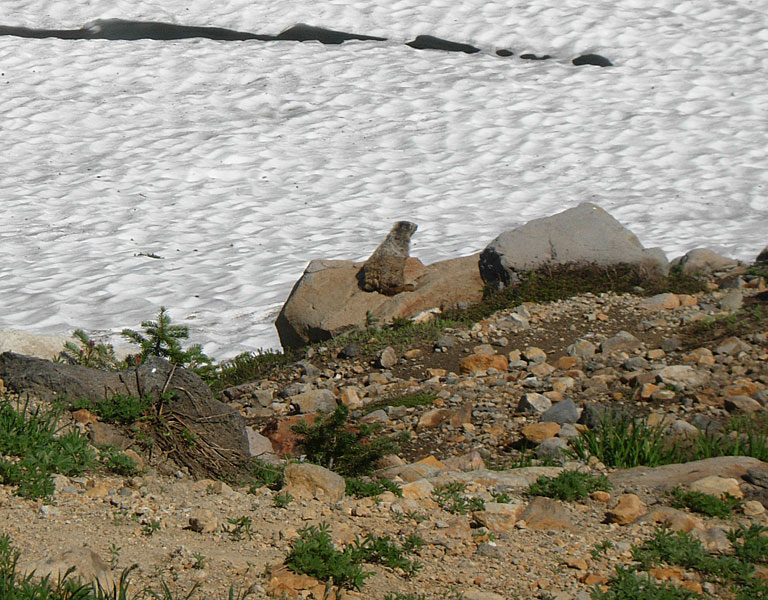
121,29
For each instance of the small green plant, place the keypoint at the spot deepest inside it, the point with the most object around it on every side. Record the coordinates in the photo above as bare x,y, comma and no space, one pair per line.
282,500
740,438
362,488
241,527
750,543
249,366
313,553
264,474
569,485
116,461
151,527
706,504
160,338
501,497
399,596
556,282
600,548
625,442
385,551
451,498
32,448
89,353
415,516
626,584
122,409
114,555
351,452
199,561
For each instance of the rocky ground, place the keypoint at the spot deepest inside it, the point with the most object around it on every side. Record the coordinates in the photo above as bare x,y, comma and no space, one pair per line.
502,399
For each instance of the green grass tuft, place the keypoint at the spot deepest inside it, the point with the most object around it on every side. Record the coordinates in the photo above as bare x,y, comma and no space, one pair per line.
623,441
451,498
33,449
569,485
705,504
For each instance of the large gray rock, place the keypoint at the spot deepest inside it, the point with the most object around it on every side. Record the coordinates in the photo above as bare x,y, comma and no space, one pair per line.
187,402
584,234
703,260
327,300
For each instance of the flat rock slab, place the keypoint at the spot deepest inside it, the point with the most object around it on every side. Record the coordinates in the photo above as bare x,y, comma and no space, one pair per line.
669,476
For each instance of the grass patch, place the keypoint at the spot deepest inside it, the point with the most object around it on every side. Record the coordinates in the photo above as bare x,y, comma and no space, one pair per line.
626,584
705,504
557,282
383,550
750,543
569,485
33,449
121,409
401,333
451,498
362,488
623,441
264,474
314,554
282,500
742,436
752,317
116,461
351,452
735,571
249,366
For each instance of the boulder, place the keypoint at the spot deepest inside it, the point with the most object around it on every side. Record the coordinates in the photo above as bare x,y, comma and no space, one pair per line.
629,509
313,401
584,234
327,300
703,261
546,514
304,480
763,256
621,342
187,400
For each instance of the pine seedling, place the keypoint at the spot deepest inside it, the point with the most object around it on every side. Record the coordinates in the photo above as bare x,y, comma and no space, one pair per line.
88,353
161,338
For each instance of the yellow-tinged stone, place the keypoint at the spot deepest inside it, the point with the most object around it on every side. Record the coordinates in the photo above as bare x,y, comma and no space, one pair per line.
538,432
483,362
629,509
577,563
717,486
417,490
431,461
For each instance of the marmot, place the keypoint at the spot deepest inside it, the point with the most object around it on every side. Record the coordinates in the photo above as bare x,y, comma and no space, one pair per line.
384,271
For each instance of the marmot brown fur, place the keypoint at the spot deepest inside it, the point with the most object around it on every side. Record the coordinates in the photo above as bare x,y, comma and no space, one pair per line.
384,271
